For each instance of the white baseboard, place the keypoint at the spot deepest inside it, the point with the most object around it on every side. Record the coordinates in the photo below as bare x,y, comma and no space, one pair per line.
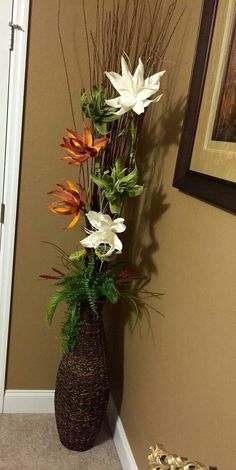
28,401
42,401
120,439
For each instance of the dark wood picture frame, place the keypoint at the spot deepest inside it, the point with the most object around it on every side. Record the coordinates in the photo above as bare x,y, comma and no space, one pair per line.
215,190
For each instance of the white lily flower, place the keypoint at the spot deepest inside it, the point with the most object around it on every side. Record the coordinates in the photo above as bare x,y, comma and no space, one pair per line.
104,232
134,90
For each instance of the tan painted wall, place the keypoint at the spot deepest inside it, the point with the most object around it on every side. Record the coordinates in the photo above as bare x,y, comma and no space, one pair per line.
33,350
176,373
174,376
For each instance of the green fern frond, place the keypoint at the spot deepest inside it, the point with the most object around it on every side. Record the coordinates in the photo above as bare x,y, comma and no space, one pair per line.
90,267
53,303
107,288
89,282
92,298
70,328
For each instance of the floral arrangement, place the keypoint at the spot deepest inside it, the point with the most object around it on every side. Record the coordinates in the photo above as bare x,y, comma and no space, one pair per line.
104,156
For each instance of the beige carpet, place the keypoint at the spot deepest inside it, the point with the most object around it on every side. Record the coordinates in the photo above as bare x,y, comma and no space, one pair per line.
30,442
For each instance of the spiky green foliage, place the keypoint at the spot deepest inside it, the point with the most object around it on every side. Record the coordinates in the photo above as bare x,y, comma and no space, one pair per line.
84,283
90,281
119,184
96,108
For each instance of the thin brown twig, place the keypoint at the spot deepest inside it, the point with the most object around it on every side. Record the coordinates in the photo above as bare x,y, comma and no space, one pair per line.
87,40
134,31
65,64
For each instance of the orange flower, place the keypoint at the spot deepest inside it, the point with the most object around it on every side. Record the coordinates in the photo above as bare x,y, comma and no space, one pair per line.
70,202
82,148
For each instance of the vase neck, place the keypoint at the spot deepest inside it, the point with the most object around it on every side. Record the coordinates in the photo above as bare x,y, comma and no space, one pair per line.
91,330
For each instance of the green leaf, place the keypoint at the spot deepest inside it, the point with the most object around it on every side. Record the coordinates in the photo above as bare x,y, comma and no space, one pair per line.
110,118
103,183
115,206
130,178
135,191
101,127
77,255
119,166
94,92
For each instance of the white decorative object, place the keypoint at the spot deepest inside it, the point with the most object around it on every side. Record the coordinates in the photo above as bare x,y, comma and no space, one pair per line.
134,89
104,232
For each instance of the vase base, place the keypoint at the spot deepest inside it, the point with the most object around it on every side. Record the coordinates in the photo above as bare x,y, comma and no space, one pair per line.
77,447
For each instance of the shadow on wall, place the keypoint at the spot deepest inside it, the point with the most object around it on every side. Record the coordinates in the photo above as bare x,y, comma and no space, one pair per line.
157,137
142,216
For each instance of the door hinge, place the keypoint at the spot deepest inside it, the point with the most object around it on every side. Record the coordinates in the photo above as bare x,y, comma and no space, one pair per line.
2,213
13,27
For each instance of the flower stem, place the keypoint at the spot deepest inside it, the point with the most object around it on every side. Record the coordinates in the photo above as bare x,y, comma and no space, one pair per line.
133,131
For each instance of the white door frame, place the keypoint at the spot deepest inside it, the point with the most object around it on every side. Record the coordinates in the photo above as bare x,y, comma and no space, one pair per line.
5,16
10,192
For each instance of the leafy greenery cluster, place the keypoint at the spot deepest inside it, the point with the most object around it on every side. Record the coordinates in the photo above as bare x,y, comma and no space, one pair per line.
84,283
118,184
96,109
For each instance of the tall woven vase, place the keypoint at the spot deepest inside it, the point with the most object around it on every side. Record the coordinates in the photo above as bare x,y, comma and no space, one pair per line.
82,386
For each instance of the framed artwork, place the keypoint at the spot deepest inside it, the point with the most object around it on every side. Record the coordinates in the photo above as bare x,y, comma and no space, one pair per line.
206,162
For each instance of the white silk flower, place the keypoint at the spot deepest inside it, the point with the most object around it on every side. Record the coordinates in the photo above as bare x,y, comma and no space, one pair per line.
104,231
134,90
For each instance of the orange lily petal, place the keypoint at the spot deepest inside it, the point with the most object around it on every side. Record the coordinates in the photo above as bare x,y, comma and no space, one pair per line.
76,160
78,143
75,153
88,137
65,196
100,143
70,160
72,186
59,210
71,134
74,221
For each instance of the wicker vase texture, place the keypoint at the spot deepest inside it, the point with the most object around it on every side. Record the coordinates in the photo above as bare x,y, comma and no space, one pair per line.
82,386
